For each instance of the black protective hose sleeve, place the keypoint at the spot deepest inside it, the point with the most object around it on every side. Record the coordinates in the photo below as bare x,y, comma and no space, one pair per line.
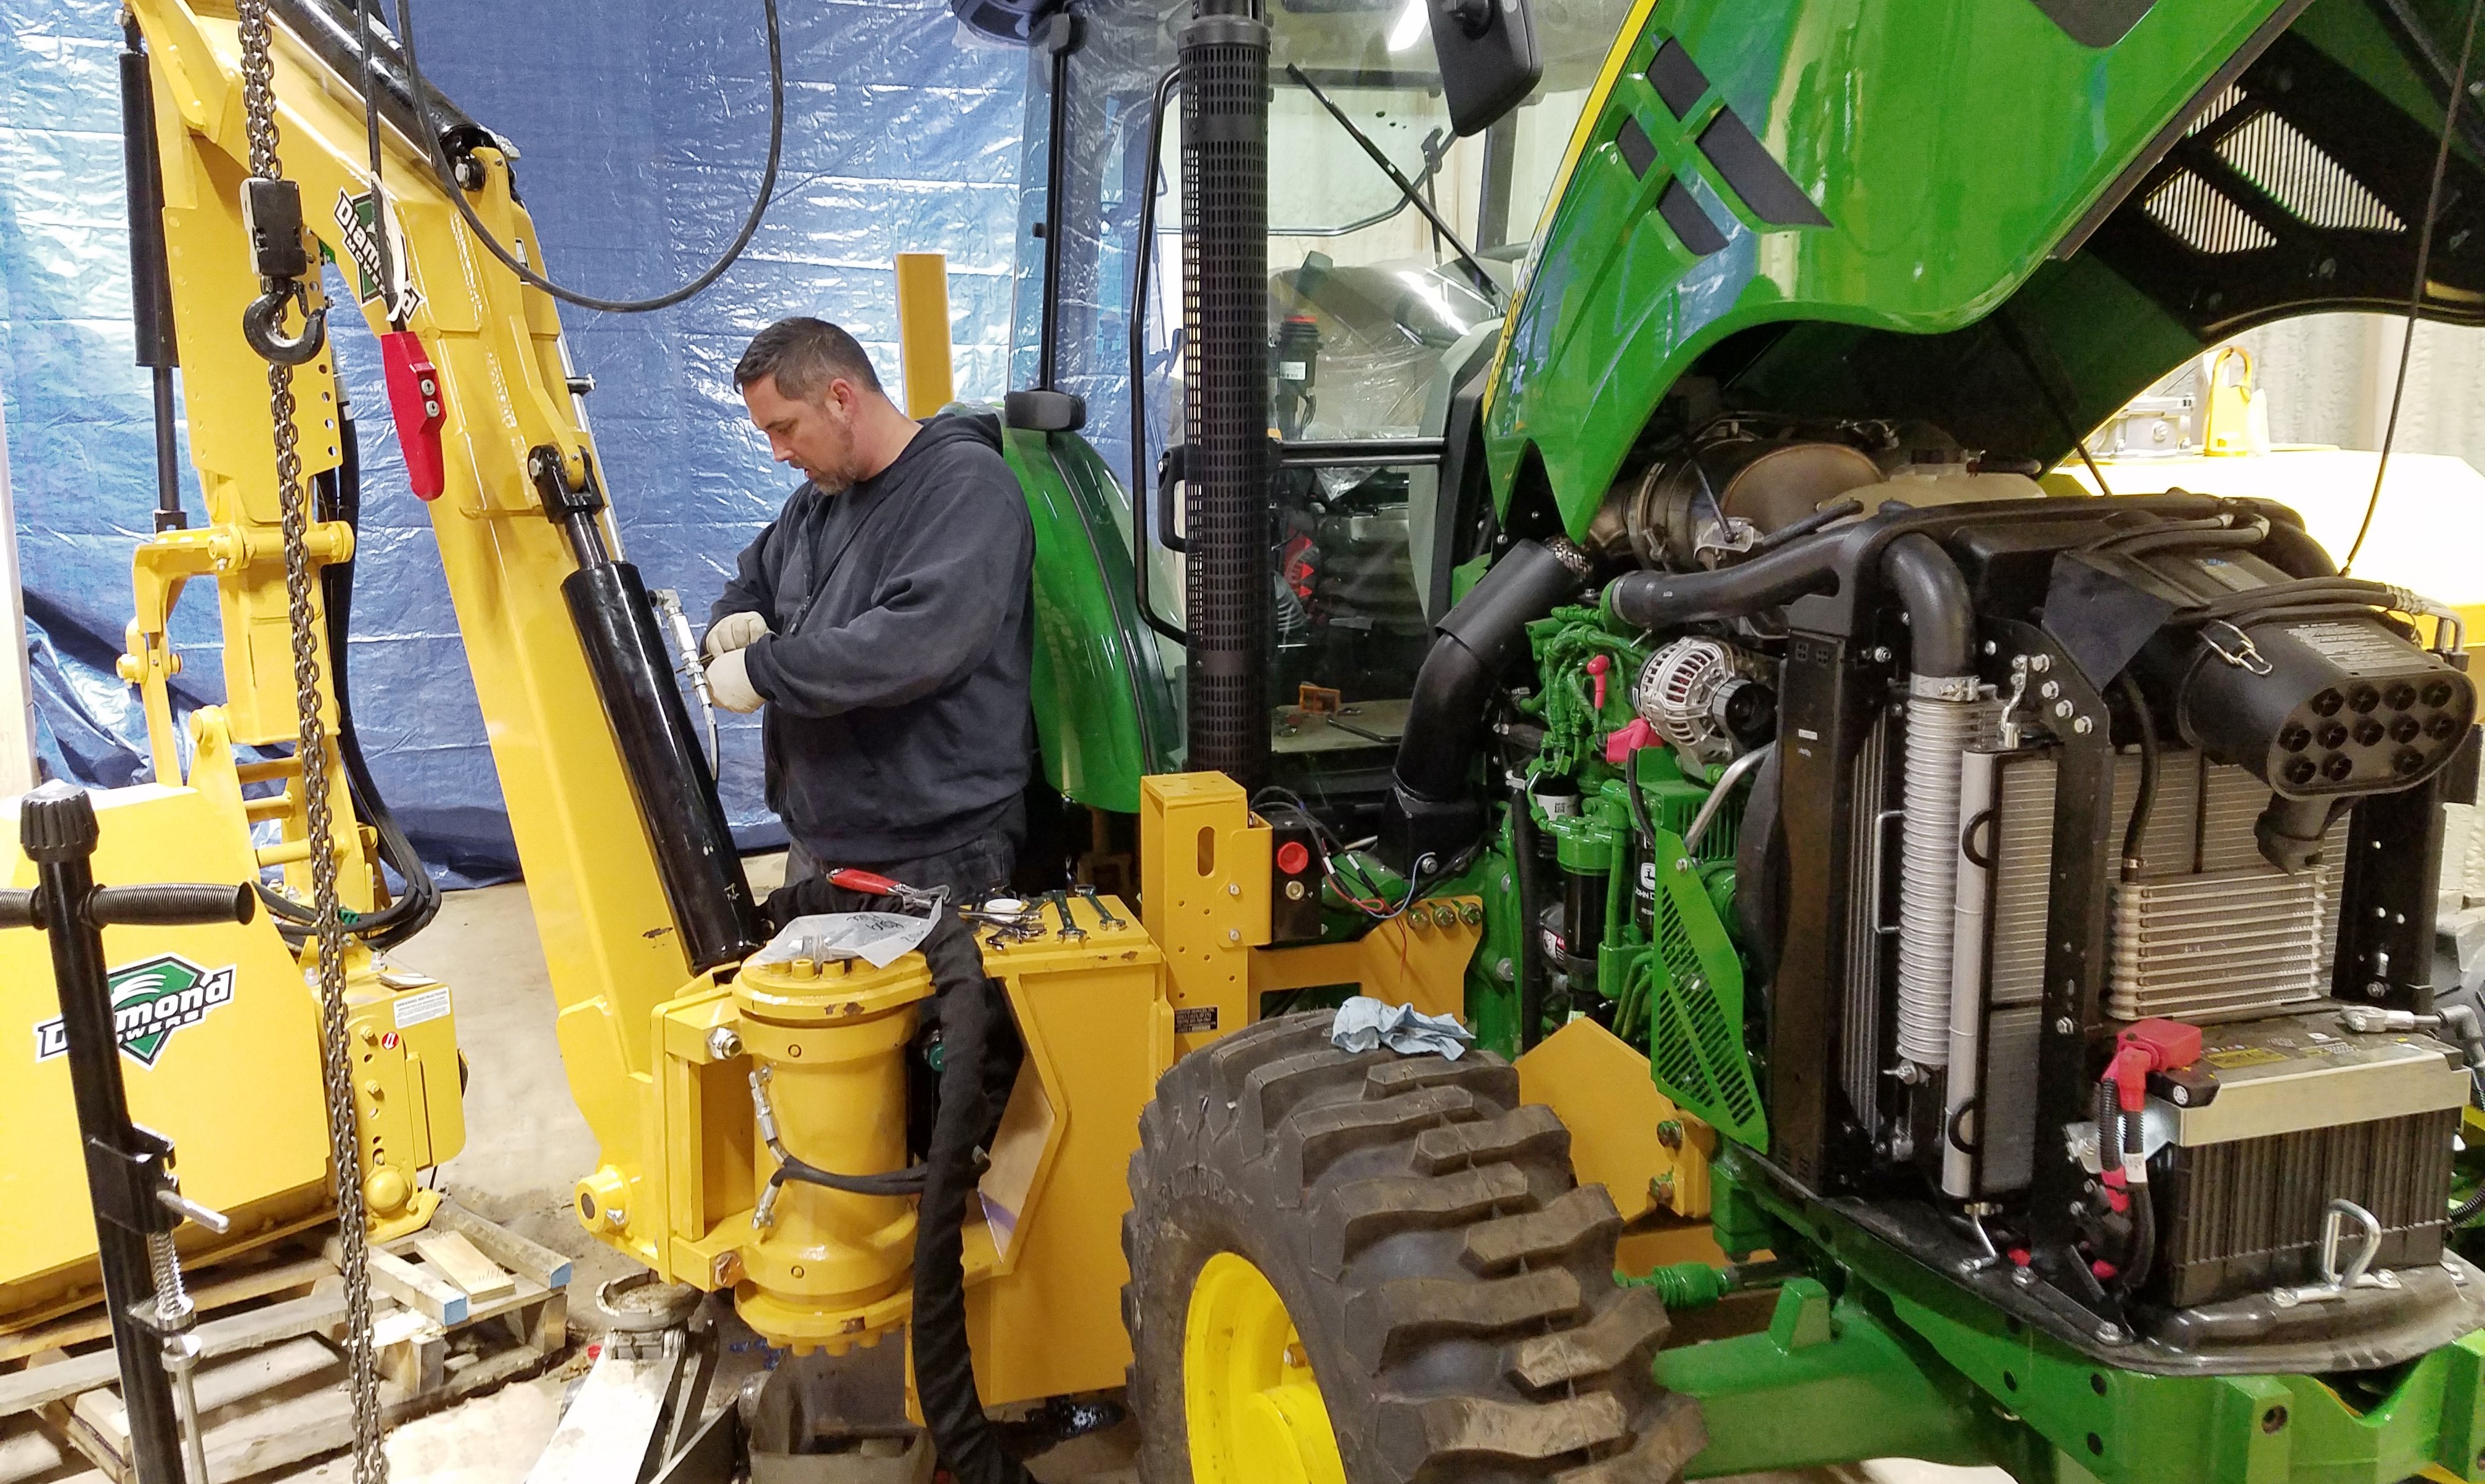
1941,620
1657,600
170,904
971,1012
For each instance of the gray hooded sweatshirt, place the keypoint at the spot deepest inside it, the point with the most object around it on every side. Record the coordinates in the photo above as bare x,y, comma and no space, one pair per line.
901,638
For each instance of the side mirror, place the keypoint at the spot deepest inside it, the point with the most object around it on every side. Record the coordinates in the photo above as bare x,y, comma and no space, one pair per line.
1489,59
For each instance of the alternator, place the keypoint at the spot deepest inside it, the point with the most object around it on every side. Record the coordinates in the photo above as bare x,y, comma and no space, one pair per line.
1700,697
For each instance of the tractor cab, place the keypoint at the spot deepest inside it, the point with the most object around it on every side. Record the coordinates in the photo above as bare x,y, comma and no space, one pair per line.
1393,244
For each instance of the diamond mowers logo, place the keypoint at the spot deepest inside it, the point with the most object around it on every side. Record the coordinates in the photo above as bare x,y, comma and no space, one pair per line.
149,1001
356,218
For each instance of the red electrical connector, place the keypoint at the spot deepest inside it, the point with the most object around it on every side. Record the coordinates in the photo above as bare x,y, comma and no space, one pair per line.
1599,667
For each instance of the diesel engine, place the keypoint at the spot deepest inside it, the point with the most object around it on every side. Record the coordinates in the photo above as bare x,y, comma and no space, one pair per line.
2044,882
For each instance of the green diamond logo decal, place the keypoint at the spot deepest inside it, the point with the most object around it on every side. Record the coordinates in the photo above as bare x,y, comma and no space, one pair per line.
150,1000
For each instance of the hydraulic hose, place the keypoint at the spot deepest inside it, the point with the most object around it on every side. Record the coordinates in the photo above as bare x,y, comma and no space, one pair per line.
420,901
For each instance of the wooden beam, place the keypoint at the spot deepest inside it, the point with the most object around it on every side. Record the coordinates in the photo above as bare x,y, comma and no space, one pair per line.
409,1284
505,1247
453,1254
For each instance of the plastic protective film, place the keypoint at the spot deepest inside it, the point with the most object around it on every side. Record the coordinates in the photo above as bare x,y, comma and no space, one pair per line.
642,129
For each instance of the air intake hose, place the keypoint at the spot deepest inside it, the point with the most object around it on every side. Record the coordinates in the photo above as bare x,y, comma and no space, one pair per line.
1664,600
1434,805
1942,722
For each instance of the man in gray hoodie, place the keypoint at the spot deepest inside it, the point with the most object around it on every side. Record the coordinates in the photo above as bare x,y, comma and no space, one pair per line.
883,619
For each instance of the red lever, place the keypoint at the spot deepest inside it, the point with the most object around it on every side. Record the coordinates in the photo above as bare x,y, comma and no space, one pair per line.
416,403
1599,667
868,882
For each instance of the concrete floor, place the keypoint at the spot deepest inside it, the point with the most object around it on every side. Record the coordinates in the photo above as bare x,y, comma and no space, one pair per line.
526,1145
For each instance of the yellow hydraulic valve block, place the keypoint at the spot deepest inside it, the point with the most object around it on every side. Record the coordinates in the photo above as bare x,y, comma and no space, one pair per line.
826,1045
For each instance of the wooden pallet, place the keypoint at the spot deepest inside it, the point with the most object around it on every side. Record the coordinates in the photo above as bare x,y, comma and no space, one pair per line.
463,1305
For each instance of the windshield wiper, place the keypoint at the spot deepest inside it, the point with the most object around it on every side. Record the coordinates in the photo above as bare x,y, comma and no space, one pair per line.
1485,282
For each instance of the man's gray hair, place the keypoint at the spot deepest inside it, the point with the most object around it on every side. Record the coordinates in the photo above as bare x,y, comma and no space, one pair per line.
803,355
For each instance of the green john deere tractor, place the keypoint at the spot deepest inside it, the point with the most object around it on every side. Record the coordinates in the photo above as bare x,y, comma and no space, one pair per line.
1599,458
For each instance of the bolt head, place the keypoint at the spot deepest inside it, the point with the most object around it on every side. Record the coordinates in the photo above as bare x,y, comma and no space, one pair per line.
1234,935
2109,1334
2182,1096
723,1044
2041,663
2064,1025
1233,888
1505,971
2084,726
2050,689
2023,1277
2063,708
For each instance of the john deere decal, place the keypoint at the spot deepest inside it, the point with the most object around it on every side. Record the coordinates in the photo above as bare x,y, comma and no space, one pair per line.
149,1001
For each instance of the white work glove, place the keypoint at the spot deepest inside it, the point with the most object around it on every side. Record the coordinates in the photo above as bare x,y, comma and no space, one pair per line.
734,631
728,681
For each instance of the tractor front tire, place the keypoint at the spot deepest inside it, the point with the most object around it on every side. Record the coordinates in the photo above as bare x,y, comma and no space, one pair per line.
1447,1287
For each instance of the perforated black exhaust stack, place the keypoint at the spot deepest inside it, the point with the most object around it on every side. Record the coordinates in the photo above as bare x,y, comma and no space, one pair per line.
1225,276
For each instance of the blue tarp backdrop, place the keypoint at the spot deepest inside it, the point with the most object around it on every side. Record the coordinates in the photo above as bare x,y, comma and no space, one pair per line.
641,128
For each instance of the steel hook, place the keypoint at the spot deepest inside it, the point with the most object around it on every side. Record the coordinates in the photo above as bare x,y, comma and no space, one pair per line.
260,320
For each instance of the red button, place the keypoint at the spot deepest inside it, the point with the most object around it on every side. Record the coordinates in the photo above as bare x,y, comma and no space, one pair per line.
1291,858
388,1041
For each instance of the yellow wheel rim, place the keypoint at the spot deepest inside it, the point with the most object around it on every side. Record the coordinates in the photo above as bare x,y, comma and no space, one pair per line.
1254,1409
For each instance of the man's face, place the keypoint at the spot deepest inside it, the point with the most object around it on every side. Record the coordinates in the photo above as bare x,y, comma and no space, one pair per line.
815,434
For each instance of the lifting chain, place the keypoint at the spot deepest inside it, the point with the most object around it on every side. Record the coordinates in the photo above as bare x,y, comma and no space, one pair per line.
344,1140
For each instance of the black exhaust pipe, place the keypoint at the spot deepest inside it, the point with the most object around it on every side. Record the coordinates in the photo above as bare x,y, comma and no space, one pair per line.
1225,320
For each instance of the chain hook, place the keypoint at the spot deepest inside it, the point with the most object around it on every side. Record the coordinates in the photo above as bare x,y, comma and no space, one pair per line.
260,321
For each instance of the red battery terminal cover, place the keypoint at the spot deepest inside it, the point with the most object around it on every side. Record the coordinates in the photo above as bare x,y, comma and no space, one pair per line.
2146,1046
